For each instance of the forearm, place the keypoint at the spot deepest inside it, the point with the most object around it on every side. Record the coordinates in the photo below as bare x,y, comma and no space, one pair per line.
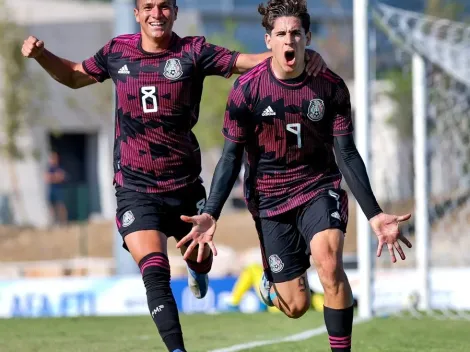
225,175
246,62
354,171
70,74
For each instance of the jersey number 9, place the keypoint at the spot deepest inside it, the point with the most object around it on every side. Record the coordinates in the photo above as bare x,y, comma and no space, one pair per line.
295,129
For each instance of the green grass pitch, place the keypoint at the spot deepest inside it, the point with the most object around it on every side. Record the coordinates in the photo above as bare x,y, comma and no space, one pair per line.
209,332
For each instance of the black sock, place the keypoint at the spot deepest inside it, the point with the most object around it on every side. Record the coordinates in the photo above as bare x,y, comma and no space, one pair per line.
339,325
203,267
155,270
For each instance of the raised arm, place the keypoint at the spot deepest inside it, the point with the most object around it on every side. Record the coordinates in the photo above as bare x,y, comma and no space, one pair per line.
69,73
215,60
245,62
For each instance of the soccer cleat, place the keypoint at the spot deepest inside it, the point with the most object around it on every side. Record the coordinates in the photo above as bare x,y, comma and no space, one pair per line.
198,283
265,291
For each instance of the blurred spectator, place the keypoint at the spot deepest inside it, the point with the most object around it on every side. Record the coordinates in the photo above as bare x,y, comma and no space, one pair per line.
55,178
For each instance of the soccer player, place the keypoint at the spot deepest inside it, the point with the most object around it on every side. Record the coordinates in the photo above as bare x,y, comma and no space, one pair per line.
292,127
159,78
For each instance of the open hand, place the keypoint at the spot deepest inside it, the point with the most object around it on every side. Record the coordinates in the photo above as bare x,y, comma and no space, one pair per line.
386,228
202,232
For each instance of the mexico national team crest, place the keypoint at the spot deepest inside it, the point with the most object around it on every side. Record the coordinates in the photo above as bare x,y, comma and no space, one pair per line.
275,263
173,69
316,110
128,218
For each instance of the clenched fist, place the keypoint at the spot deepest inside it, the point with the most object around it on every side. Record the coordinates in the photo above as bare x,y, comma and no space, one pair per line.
32,47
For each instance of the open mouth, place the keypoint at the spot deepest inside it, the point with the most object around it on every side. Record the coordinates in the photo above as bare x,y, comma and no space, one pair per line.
290,57
157,24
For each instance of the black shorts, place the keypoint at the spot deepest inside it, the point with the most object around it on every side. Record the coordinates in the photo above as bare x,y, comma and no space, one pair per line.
285,238
55,196
137,211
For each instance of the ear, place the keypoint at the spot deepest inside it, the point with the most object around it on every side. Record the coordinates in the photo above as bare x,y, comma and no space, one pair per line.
309,38
267,39
176,12
136,15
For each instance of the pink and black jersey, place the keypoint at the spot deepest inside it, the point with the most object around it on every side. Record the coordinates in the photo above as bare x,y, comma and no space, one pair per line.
288,128
157,105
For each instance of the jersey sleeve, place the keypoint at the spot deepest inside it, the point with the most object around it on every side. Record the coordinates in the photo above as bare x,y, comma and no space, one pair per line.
342,119
237,114
213,60
97,65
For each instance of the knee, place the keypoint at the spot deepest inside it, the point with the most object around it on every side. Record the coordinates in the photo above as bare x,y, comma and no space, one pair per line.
297,309
331,274
295,306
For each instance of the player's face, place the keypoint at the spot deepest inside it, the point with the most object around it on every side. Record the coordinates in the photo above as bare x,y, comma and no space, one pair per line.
156,17
53,159
287,42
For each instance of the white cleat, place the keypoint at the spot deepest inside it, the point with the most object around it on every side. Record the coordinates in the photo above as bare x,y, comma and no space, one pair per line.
198,283
265,291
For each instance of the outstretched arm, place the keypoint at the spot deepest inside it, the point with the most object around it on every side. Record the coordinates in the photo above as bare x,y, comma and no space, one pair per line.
351,165
245,62
235,131
354,171
224,178
384,225
225,175
69,73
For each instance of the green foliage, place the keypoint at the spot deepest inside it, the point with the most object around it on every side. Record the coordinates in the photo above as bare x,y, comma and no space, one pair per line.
103,100
215,93
451,10
21,93
402,95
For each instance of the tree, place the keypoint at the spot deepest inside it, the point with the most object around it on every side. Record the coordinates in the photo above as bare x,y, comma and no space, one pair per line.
214,97
21,99
451,10
401,91
334,40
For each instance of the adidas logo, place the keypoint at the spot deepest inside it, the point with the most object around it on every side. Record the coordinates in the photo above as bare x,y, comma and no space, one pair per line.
268,112
336,215
124,70
157,309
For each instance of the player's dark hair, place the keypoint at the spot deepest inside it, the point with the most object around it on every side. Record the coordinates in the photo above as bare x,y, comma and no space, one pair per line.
284,8
137,3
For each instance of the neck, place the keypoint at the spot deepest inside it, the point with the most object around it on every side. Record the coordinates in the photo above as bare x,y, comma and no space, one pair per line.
281,74
153,45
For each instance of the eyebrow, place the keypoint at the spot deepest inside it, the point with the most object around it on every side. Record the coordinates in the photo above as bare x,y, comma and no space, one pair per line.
291,30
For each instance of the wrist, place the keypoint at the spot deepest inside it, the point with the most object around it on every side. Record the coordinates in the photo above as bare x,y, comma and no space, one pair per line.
214,218
374,215
40,56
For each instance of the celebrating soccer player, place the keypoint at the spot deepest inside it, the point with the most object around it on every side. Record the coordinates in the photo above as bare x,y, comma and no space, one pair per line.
291,127
159,79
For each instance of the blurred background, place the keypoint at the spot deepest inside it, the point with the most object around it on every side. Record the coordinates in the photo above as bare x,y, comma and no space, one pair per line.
57,202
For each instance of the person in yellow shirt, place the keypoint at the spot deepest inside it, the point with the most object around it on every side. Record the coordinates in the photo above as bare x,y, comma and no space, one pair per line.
249,278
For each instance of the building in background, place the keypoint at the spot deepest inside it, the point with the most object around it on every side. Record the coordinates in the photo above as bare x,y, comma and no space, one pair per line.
79,123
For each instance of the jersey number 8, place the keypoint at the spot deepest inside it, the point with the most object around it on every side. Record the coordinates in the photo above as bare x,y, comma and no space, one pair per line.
149,93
